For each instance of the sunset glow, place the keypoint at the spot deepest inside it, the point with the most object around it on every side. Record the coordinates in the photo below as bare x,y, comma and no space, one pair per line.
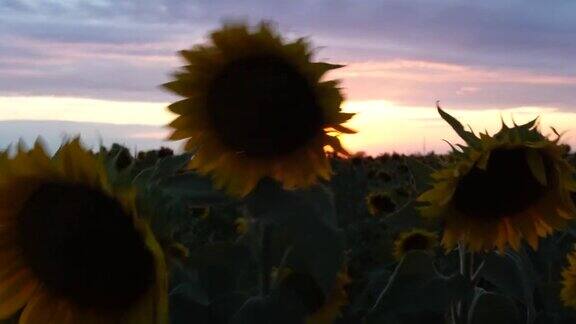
103,62
83,110
382,125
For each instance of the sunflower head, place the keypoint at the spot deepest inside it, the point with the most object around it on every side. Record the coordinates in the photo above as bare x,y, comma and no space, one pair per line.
380,202
200,212
242,225
568,292
255,106
383,176
335,300
324,309
501,189
71,245
415,239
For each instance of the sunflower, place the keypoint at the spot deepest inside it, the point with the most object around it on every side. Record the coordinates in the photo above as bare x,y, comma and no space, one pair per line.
415,239
72,249
568,292
255,106
379,202
501,189
241,225
335,300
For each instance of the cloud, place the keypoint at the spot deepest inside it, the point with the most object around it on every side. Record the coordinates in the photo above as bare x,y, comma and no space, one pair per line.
516,52
417,83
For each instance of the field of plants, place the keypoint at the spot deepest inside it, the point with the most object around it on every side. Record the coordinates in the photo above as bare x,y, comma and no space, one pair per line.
351,250
266,218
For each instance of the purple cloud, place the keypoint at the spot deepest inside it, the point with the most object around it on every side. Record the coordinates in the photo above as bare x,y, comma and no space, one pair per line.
123,49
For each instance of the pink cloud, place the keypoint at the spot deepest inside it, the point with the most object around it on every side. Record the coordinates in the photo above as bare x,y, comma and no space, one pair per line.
425,71
467,90
420,82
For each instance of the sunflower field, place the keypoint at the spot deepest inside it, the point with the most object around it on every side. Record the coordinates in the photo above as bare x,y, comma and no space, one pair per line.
266,218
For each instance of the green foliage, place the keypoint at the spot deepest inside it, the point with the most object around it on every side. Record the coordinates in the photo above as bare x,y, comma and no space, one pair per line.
511,274
417,287
488,307
229,276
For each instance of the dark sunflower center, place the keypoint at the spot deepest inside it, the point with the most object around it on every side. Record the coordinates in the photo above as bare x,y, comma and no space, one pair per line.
507,186
415,242
264,107
83,247
382,204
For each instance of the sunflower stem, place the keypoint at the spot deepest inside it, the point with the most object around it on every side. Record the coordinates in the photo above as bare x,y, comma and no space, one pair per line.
471,269
265,259
465,260
476,273
453,316
466,270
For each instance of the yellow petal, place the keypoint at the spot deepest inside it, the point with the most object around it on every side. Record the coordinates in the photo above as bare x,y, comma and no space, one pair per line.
40,309
15,292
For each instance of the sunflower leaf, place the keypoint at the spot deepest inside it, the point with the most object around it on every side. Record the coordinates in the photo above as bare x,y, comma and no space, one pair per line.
488,307
219,267
549,294
454,149
187,283
282,307
170,165
406,217
467,136
512,274
421,173
303,221
416,286
194,188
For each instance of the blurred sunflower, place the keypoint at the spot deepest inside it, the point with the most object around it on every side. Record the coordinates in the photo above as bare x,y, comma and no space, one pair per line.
415,239
501,189
241,225
256,106
383,176
334,301
72,249
568,292
379,202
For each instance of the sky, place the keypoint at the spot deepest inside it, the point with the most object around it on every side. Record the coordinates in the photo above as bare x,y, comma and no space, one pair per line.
94,67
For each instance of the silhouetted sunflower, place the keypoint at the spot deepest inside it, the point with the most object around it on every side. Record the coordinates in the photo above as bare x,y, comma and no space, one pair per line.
380,202
256,106
72,249
501,189
241,225
568,292
335,300
415,239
